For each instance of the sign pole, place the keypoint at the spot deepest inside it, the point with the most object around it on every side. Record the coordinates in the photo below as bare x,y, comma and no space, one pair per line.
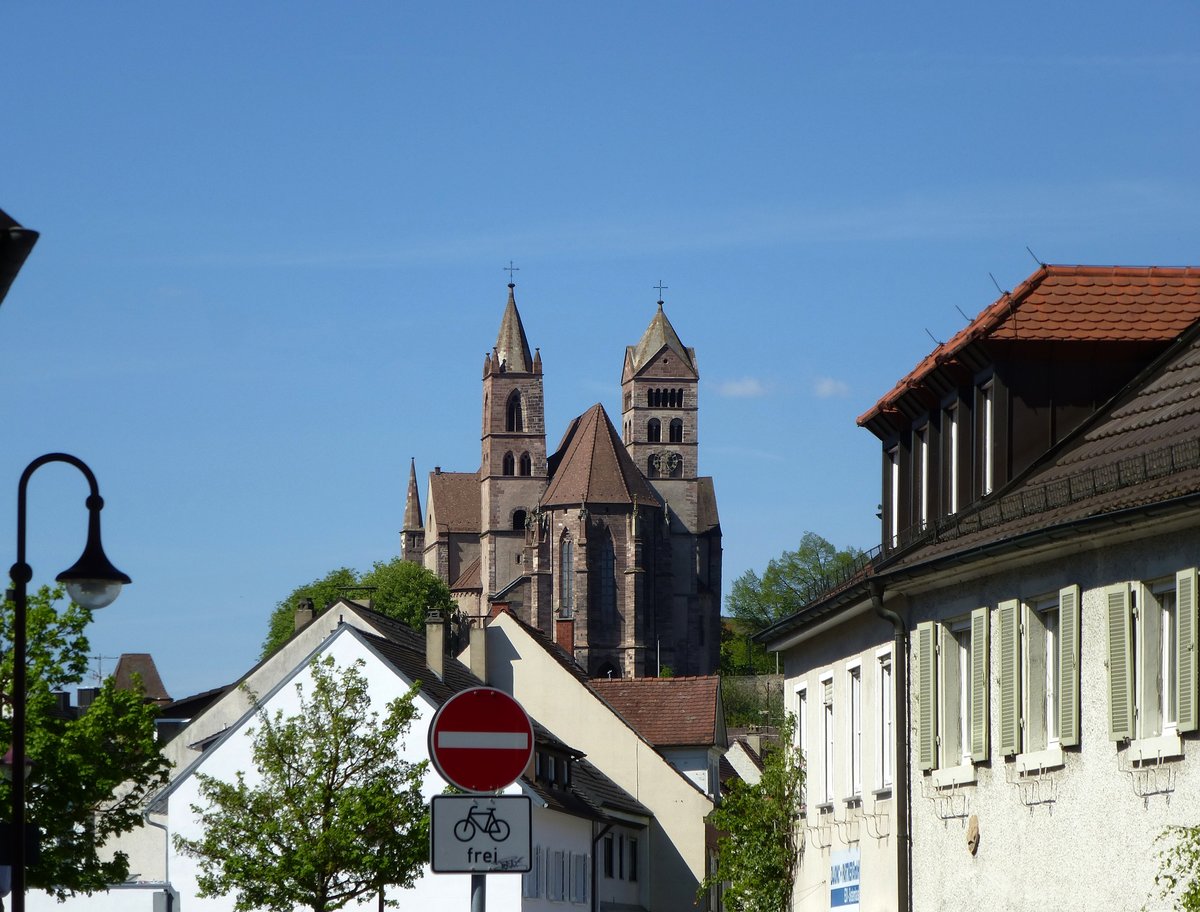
478,892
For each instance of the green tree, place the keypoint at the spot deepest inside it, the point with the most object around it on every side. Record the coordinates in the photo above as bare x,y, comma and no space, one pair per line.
91,774
335,814
1178,878
757,846
398,588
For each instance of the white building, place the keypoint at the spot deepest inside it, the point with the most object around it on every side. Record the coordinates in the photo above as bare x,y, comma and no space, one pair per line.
1036,589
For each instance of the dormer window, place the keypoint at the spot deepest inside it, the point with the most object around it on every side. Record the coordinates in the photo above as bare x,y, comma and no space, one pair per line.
987,410
893,508
921,474
950,425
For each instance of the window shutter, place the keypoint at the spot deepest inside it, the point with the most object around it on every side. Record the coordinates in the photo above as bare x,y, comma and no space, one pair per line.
1120,665
1068,666
926,695
980,697
1185,643
1009,615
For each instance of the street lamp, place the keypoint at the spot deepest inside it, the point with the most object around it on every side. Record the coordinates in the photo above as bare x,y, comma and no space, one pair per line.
92,582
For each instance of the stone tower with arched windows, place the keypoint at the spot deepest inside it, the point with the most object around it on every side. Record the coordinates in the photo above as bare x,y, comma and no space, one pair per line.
611,546
512,471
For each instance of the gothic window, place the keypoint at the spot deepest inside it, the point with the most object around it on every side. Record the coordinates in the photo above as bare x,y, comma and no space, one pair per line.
508,464
653,431
566,577
526,465
652,466
607,581
514,418
628,400
676,430
675,465
518,522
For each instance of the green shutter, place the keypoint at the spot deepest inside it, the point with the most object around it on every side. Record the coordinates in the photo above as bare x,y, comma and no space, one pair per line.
1068,666
1185,643
1009,616
926,695
1120,663
979,685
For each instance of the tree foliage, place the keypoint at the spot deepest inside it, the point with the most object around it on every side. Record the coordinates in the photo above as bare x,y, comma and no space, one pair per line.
1178,877
334,813
91,774
789,581
758,849
398,588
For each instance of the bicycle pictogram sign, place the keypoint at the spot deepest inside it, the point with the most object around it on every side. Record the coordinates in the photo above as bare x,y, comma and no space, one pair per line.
481,820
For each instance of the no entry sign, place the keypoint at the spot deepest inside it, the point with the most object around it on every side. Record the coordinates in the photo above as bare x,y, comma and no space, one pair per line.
481,740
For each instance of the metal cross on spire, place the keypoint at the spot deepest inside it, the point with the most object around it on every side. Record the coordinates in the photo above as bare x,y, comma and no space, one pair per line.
660,287
510,269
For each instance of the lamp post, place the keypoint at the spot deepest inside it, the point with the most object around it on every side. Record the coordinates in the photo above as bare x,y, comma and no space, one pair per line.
92,582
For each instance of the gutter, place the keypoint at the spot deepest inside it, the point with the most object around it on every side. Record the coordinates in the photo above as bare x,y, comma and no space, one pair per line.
903,758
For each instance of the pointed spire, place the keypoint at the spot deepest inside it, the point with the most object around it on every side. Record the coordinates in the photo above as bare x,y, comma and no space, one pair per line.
660,332
412,507
512,347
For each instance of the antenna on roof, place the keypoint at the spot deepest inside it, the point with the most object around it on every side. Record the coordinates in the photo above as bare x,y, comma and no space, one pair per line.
1037,259
960,310
1003,293
932,336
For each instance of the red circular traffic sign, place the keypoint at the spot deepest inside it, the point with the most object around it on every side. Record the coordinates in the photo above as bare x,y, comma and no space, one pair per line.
481,740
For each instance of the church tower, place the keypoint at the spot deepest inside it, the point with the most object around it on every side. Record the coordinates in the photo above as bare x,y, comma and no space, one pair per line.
659,386
512,472
412,536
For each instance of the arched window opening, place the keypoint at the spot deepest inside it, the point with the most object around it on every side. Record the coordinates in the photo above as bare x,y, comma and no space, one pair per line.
566,578
526,465
514,418
650,398
628,400
672,400
676,430
507,463
652,466
518,522
675,465
653,431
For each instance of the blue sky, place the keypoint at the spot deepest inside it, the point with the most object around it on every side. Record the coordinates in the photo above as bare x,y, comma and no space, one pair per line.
273,235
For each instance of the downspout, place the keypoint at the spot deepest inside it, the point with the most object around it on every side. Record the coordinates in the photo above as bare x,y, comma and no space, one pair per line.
900,683
166,857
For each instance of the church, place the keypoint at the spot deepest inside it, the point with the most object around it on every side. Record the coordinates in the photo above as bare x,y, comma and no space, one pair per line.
611,544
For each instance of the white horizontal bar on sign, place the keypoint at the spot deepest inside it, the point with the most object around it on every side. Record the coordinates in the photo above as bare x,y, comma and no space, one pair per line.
486,740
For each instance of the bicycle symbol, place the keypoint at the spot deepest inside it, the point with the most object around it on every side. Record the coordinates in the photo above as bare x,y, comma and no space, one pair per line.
482,821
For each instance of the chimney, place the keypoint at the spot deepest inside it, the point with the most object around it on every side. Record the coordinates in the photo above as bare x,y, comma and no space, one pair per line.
479,652
435,643
564,634
304,613
84,697
497,609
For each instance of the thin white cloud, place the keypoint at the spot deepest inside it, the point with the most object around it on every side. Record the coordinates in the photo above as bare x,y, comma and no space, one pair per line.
745,388
829,388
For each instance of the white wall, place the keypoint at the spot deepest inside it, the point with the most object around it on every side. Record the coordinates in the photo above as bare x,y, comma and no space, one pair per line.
1093,846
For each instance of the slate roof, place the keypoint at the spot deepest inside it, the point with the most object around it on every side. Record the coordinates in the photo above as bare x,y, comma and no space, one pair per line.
603,793
512,347
1073,303
667,712
1142,450
412,504
141,664
707,517
469,579
660,333
592,466
454,498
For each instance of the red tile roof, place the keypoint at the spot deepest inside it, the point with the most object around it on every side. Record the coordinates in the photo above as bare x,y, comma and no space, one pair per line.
667,712
1074,303
454,501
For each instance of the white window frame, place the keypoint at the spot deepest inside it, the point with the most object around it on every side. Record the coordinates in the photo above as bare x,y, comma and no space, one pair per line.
1156,626
893,456
944,700
950,423
1041,744
828,734
987,395
854,686
885,720
801,744
921,436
